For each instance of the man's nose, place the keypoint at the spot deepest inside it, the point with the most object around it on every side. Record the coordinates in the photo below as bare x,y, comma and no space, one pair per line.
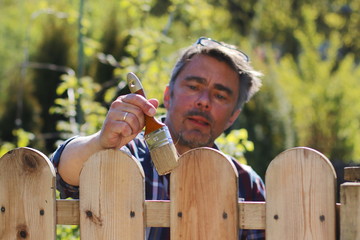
204,100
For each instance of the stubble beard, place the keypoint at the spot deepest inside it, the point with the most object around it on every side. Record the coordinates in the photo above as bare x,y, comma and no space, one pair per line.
191,141
193,138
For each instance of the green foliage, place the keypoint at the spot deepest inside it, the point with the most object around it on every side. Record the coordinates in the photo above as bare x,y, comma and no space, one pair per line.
67,232
94,113
23,140
235,144
5,147
324,107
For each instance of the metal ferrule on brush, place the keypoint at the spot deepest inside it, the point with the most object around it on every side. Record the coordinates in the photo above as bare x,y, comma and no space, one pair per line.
158,138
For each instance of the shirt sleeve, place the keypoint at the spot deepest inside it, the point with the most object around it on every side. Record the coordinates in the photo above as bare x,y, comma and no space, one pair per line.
66,190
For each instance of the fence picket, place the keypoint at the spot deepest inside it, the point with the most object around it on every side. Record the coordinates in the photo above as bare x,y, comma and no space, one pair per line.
350,209
203,192
112,197
27,196
300,201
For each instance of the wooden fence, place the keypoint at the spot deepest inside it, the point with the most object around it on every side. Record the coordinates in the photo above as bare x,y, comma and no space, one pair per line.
300,182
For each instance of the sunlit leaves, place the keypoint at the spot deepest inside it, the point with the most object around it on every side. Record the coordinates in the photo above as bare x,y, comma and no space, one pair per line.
335,20
235,144
5,147
85,93
324,102
23,140
67,232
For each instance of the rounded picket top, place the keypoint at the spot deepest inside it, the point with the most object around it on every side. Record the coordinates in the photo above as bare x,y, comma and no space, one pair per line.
112,197
300,196
204,196
27,195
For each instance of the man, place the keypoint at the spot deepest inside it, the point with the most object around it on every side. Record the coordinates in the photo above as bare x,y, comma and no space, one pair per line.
208,88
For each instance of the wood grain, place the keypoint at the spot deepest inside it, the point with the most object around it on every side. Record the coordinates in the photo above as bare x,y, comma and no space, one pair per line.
252,215
112,193
157,213
27,196
350,211
67,212
300,199
203,190
352,174
301,190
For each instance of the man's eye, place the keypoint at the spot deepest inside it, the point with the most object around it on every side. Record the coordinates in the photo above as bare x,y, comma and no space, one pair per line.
220,97
192,87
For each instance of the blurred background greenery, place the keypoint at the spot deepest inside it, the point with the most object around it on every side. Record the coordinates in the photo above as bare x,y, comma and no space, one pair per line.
63,62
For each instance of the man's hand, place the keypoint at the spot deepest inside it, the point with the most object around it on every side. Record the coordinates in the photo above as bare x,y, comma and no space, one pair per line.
125,119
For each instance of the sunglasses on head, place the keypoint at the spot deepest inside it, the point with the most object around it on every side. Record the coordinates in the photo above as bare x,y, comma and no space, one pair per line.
208,42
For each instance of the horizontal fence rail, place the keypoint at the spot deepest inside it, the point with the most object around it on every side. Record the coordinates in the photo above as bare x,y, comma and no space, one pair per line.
157,213
300,201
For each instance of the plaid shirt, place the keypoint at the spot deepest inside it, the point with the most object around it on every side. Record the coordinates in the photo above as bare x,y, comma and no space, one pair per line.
251,187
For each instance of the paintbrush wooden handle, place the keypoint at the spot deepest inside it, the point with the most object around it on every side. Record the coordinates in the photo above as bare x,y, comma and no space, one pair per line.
151,124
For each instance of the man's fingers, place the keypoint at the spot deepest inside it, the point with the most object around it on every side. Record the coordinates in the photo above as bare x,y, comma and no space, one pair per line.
154,102
147,107
125,122
125,119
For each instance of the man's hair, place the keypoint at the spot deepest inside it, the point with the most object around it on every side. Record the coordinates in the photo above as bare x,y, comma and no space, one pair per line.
249,79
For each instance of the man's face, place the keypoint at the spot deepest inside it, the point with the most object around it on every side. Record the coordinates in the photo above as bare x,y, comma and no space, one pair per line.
202,103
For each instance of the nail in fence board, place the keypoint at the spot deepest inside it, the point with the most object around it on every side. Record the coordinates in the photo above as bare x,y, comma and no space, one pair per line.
27,196
112,197
300,201
203,192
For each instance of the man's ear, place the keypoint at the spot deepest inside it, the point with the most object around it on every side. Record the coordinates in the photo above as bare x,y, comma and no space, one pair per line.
167,97
233,118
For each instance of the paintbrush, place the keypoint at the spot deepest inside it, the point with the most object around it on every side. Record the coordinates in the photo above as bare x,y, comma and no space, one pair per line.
157,136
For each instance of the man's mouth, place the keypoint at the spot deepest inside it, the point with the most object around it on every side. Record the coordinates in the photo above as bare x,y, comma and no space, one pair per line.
199,120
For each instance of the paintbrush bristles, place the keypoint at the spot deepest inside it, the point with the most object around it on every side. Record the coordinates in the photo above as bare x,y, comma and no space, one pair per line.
165,158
